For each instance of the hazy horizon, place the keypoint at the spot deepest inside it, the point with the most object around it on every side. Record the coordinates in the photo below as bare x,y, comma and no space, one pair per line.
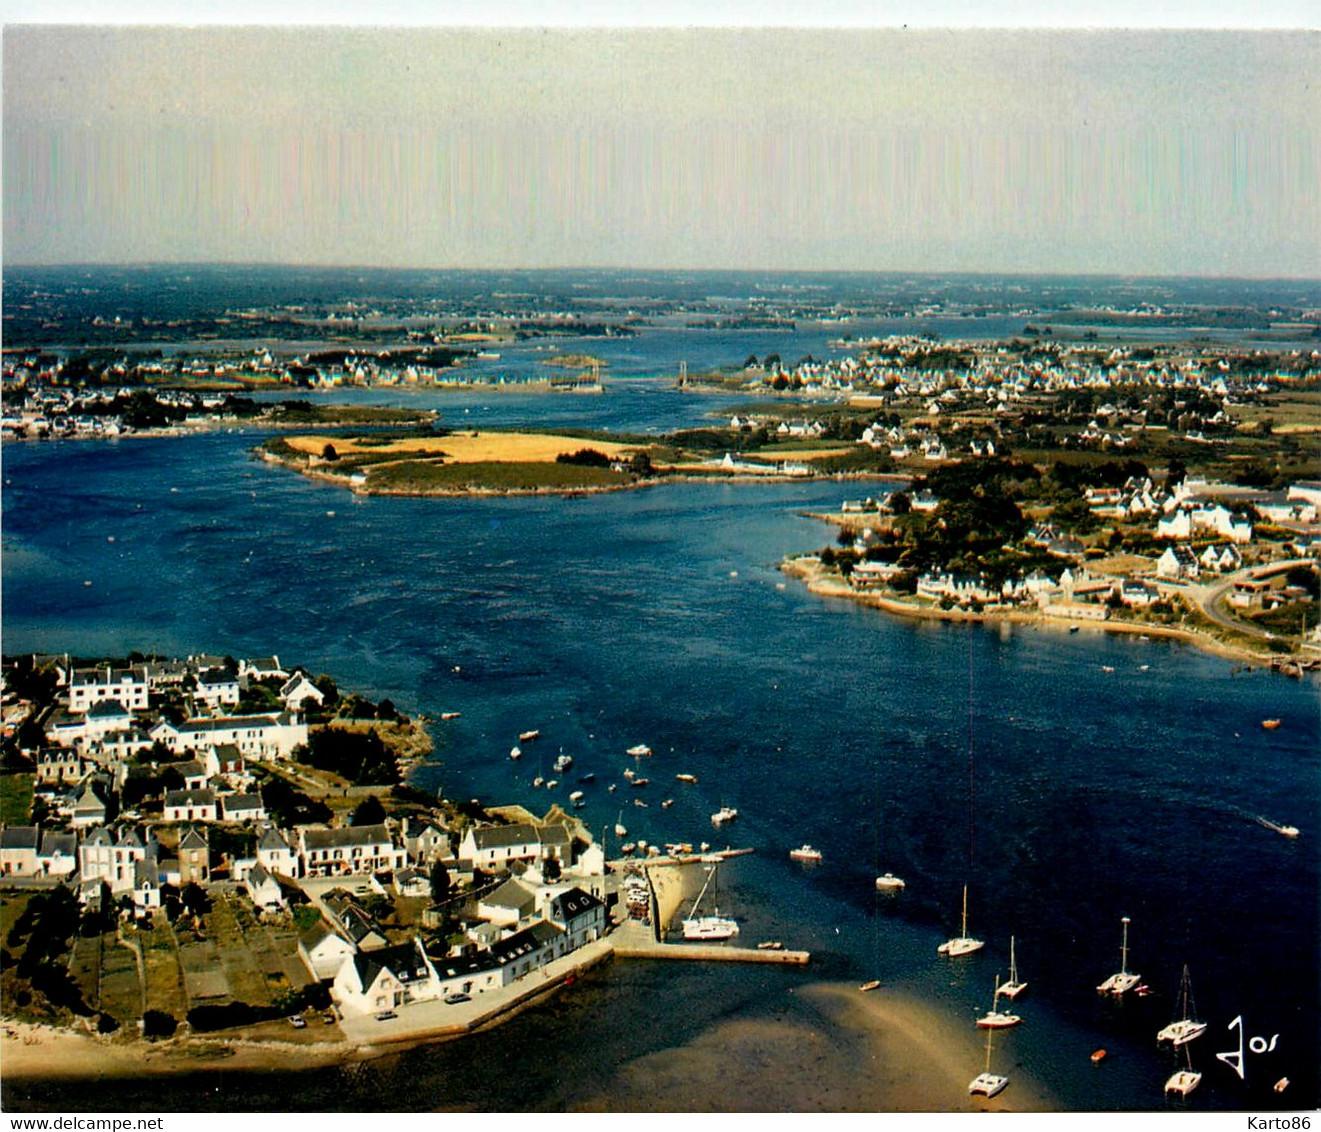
1001,152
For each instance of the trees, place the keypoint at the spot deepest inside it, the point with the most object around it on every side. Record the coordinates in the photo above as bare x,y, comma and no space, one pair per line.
440,883
368,812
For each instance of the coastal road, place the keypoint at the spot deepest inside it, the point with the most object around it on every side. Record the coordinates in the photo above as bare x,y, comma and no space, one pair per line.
1209,597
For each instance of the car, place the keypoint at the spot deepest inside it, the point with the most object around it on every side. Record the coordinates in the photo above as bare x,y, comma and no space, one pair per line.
386,1015
328,1018
298,1022
457,997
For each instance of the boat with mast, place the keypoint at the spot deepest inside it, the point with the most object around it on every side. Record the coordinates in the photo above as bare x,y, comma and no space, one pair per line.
714,926
1184,1081
1123,980
986,1083
620,831
1013,986
1184,1028
962,944
995,1018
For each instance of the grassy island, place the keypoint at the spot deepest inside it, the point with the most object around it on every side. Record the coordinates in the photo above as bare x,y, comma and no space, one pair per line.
438,462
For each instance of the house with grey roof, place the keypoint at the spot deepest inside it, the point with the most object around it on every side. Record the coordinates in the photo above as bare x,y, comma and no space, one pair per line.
194,856
261,737
240,808
385,980
508,904
191,805
494,847
18,850
58,854
298,691
217,688
580,914
263,889
276,854
89,809
324,950
90,686
111,857
363,849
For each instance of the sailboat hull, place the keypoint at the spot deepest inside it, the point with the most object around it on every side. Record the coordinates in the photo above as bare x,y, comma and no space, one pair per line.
1183,1082
998,1020
1013,990
1177,1033
960,946
987,1084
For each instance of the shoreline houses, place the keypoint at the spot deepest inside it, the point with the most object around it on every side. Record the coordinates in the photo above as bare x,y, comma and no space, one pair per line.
532,890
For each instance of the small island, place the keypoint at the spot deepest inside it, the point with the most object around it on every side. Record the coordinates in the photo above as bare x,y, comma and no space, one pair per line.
436,461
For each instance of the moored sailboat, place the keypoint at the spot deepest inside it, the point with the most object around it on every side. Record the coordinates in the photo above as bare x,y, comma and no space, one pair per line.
995,1018
987,1084
1185,1028
962,944
1184,1081
1014,986
1122,980
714,926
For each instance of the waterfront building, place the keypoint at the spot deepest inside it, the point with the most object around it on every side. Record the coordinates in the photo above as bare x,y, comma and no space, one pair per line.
361,850
263,737
89,686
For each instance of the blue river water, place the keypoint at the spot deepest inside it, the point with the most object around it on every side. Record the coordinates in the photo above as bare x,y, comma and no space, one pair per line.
1068,779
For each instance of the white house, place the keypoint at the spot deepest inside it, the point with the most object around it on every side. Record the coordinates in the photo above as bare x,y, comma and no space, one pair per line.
262,737
354,849
88,686
275,853
263,889
371,982
190,805
508,905
324,951
298,690
1177,562
104,857
239,808
217,688
495,847
18,850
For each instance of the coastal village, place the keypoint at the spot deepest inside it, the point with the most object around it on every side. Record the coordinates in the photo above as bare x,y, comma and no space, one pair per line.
187,859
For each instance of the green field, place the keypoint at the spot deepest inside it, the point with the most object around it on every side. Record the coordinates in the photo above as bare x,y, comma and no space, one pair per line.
423,476
16,798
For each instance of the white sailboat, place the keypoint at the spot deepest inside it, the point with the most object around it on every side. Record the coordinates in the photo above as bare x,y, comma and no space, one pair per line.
708,927
987,1083
962,944
995,1018
620,831
1122,980
1183,1029
1184,1081
1014,986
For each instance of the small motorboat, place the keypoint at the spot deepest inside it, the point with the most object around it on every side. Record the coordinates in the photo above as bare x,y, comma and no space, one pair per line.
587,778
1098,1056
686,777
515,753
1281,1084
527,736
888,880
450,714
577,799
641,751
563,762
770,945
1270,724
665,805
640,781
724,814
805,853
871,986
538,781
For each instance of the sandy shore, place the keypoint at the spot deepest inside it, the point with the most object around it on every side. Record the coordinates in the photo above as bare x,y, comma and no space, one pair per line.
30,1051
819,581
834,1050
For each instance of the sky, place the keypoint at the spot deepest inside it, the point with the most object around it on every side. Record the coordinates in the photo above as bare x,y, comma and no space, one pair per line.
1067,149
